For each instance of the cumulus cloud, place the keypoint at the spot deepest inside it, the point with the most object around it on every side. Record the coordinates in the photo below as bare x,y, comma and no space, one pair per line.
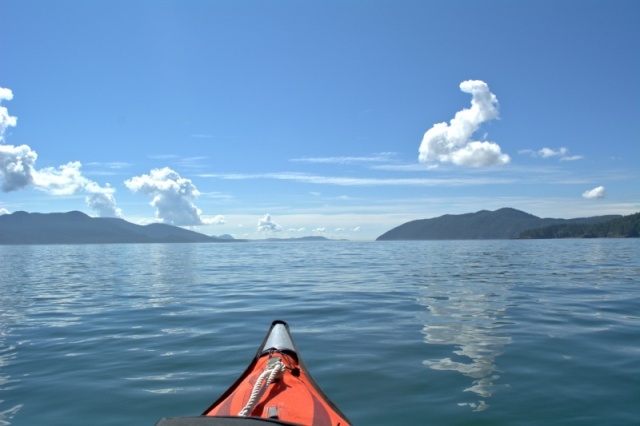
63,180
102,200
173,197
561,153
594,193
18,171
266,224
69,180
452,143
16,162
5,119
16,167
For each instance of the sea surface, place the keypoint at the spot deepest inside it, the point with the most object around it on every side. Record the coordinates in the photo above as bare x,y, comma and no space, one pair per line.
396,333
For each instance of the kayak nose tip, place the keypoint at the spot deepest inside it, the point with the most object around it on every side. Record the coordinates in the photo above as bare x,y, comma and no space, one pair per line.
279,339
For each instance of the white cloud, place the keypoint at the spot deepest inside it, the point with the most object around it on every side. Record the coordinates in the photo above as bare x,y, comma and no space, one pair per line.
4,211
69,180
5,119
172,197
16,162
594,193
16,167
319,230
64,180
18,171
451,143
562,153
266,224
102,200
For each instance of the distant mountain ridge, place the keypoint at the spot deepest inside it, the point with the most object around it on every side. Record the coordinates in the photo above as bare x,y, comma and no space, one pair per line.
505,223
78,228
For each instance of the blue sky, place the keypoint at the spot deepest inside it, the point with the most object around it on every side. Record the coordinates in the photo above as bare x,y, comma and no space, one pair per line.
335,118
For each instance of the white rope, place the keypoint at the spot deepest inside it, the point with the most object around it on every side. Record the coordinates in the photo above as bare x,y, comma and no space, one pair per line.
273,370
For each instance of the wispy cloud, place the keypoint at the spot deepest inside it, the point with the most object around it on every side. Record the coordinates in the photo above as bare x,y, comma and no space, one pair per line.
297,230
215,220
181,162
219,196
561,153
163,156
192,163
107,169
351,181
374,158
452,143
411,167
115,165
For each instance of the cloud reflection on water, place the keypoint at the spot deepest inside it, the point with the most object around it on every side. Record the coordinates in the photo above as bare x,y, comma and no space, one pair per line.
468,316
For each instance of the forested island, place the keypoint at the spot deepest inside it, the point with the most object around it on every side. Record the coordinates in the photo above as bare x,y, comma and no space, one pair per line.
78,228
505,223
624,227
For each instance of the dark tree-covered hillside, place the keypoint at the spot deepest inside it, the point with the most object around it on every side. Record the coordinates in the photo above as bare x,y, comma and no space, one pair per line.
503,223
78,228
624,227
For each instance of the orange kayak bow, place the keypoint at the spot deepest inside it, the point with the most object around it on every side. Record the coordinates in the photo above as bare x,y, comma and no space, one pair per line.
275,389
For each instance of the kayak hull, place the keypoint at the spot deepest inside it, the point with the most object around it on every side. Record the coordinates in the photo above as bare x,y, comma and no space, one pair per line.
276,388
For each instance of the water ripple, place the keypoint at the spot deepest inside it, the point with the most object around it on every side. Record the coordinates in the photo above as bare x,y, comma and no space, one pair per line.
466,332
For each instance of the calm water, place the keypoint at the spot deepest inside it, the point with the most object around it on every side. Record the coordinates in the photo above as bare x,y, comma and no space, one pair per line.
413,333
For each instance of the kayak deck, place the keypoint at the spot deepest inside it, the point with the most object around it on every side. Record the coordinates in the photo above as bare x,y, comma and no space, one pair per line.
276,388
